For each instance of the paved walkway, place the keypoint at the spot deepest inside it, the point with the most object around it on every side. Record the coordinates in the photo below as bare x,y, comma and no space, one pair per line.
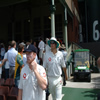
92,86
95,82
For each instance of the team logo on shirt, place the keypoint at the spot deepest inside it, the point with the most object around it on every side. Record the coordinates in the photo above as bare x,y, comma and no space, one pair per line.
49,59
24,75
44,74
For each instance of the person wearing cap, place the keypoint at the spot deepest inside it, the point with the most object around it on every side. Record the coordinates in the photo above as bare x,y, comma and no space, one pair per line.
18,64
33,80
25,58
53,61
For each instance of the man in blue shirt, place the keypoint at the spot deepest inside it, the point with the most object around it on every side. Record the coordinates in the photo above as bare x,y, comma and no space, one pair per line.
11,55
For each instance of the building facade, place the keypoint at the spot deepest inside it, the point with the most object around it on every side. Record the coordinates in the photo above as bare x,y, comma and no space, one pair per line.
31,19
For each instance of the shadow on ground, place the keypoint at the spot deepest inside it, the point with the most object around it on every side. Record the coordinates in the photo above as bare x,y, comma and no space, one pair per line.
80,94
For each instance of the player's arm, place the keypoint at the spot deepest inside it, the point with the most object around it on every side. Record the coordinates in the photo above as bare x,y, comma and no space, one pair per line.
41,81
40,78
20,94
64,69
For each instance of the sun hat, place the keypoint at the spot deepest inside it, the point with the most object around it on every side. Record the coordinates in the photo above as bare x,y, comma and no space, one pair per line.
53,39
30,48
63,46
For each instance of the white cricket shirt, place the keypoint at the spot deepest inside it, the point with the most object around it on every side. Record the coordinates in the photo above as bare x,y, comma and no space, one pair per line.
53,63
28,83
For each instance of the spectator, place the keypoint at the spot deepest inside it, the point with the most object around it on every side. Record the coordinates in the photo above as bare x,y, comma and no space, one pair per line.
18,64
47,48
2,51
34,43
41,49
5,60
11,55
64,52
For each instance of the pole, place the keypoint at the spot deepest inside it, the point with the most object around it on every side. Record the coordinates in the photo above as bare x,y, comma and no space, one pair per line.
65,25
53,19
86,22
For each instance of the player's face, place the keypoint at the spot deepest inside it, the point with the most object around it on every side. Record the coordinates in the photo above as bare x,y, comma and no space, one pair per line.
30,56
53,44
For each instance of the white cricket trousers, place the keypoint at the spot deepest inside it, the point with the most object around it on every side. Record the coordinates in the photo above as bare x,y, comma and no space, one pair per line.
55,87
41,53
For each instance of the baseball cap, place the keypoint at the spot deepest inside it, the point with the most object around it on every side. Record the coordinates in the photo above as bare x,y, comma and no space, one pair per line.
55,40
30,48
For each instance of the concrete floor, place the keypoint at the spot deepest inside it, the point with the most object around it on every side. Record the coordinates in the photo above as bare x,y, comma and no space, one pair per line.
94,84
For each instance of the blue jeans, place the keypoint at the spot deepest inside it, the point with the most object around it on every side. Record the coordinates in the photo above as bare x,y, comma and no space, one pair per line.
16,82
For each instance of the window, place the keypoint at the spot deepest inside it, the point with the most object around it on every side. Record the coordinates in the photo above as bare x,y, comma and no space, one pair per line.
58,23
18,26
47,27
26,29
9,31
58,26
37,26
47,23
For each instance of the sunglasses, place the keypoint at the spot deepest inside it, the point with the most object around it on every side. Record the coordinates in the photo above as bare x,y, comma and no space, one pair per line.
52,42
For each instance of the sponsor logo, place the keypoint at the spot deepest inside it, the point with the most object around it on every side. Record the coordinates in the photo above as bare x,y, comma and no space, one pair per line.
24,75
44,74
49,59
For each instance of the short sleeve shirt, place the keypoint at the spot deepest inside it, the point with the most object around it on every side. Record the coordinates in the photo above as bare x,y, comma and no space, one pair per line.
41,45
6,63
11,55
28,83
53,63
18,65
2,51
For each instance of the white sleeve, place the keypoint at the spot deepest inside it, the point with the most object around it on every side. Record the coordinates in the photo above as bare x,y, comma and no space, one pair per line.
5,56
39,45
45,61
43,73
20,86
63,62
